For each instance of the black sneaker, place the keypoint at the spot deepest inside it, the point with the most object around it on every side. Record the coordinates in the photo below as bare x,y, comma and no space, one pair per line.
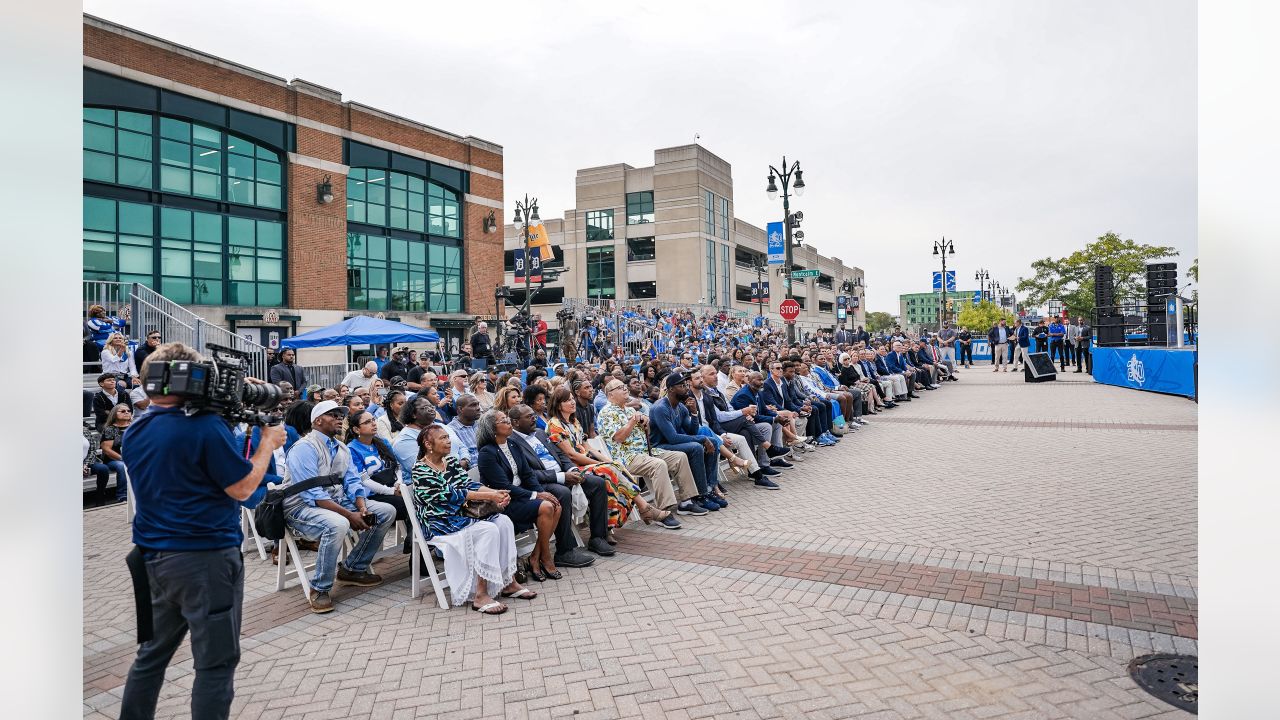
689,507
780,463
767,484
669,522
770,472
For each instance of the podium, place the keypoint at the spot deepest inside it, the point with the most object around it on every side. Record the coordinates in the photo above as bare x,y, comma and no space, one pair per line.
1039,368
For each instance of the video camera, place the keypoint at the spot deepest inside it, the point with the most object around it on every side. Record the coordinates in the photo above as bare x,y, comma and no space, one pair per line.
217,386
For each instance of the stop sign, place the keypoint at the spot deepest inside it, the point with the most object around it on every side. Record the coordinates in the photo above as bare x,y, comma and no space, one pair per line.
790,310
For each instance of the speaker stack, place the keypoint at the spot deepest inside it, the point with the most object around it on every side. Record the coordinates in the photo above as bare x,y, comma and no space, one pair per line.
1109,324
1162,283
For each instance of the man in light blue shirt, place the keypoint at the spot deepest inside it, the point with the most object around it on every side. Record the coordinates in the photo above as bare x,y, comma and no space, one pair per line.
462,430
328,514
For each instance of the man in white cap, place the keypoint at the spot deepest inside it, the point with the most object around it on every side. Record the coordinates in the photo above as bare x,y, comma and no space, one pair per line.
327,514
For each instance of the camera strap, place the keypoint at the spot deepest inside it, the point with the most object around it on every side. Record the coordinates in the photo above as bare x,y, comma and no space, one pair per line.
141,592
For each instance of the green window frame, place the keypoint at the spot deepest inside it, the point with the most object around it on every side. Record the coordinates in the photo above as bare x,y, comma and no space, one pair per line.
118,147
600,275
640,207
724,273
709,213
156,152
189,256
599,225
403,202
711,272
724,218
412,275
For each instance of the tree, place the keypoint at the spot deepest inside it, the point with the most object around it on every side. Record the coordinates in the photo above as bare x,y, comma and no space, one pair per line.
877,321
1070,279
979,318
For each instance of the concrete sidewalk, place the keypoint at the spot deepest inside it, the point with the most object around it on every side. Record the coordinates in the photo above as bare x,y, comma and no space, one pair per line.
995,549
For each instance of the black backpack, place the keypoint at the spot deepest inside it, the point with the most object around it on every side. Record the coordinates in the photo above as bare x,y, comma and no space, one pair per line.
269,515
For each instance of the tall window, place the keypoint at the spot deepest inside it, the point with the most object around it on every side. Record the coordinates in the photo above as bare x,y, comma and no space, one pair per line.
401,201
599,225
387,273
640,207
711,272
175,156
724,218
724,272
709,214
600,278
191,257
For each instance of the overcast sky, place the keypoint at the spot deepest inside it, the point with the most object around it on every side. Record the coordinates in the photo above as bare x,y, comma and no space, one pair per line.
1020,129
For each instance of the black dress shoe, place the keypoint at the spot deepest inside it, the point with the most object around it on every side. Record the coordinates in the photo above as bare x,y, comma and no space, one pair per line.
599,547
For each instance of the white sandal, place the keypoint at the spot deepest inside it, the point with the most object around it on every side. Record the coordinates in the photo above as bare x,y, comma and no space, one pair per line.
485,609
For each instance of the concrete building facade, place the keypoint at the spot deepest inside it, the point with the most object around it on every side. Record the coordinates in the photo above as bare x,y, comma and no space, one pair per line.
668,233
206,180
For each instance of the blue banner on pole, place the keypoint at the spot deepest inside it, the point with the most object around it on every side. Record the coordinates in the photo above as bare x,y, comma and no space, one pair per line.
951,281
777,243
977,296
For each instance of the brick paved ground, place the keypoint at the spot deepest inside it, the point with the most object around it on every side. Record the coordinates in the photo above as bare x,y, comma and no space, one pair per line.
1058,544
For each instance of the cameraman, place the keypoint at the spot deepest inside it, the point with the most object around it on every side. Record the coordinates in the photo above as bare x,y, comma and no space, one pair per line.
189,481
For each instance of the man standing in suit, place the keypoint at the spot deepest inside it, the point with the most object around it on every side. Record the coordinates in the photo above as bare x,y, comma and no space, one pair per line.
1021,344
1084,339
997,338
558,479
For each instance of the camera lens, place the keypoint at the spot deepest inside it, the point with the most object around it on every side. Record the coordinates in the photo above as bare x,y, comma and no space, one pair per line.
263,397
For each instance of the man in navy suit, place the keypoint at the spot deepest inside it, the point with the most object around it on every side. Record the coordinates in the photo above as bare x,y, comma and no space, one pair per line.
885,385
750,395
672,428
1022,344
898,362
901,386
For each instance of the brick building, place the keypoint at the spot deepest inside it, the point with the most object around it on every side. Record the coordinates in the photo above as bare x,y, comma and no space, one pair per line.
236,192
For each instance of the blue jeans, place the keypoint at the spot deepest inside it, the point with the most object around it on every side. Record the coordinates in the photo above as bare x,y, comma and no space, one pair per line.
104,470
714,478
702,465
330,529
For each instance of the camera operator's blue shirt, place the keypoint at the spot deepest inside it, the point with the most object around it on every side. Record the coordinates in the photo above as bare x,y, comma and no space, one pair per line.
180,467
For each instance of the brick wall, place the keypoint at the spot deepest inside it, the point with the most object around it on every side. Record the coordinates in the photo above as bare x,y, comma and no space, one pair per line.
317,233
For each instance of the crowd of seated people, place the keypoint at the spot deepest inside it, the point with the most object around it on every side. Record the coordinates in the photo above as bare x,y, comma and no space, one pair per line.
485,455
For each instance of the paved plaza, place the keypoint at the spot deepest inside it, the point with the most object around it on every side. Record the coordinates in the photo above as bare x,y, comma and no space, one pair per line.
996,549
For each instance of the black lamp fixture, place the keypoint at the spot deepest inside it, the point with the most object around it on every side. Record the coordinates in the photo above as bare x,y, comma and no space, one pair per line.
324,191
501,292
490,223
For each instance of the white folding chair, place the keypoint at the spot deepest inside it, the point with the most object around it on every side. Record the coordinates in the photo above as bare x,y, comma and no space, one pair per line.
129,508
422,550
291,556
250,530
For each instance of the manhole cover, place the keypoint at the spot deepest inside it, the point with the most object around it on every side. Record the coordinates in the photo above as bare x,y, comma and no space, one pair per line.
1172,678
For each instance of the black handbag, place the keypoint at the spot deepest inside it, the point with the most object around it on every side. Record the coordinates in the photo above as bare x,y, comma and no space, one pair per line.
269,515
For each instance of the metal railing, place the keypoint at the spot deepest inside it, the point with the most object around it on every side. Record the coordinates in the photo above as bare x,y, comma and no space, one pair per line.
328,376
145,310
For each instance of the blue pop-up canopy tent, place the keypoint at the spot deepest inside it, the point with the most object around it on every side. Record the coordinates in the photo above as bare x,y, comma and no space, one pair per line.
361,330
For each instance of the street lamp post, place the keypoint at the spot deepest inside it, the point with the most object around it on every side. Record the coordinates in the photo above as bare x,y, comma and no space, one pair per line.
761,270
787,221
982,276
527,212
943,247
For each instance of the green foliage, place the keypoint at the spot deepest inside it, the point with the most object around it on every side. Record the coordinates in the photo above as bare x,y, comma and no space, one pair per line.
1070,279
979,318
877,321
1193,272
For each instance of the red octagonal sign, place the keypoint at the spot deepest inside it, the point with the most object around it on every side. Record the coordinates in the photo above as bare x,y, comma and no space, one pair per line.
790,310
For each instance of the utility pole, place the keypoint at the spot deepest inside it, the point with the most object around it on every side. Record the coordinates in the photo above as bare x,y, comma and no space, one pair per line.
944,247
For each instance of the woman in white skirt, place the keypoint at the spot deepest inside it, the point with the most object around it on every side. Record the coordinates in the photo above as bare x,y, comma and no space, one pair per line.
481,549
